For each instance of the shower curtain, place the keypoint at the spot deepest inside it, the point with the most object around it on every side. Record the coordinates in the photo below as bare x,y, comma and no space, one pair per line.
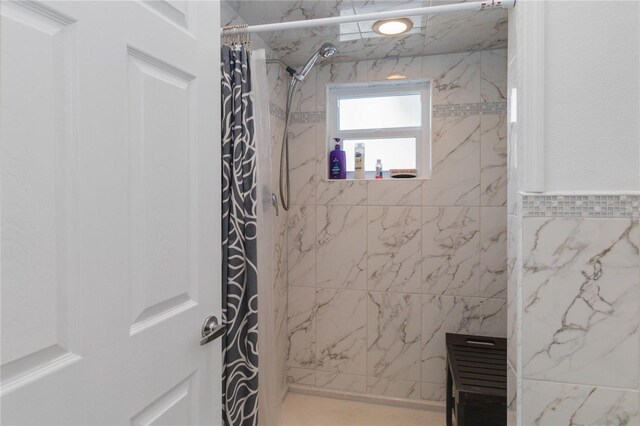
269,372
239,241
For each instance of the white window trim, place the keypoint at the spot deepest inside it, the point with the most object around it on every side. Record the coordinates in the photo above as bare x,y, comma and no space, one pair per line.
422,135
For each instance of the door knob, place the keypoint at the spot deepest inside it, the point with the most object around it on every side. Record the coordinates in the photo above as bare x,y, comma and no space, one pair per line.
211,330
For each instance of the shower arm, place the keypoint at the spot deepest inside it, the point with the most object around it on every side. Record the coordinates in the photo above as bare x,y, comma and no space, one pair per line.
292,72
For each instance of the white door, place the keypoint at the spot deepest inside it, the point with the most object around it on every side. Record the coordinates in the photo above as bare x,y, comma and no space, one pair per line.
110,212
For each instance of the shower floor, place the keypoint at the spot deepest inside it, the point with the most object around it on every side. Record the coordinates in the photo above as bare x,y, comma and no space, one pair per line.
307,410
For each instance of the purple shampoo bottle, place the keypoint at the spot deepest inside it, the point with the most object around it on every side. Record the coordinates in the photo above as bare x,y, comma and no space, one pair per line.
337,162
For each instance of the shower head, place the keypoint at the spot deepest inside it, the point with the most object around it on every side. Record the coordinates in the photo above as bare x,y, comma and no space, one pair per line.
326,50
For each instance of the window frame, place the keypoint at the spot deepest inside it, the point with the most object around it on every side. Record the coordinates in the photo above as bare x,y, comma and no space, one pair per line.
422,134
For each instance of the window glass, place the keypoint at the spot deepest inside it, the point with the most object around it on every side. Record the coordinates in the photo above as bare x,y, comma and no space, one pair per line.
381,112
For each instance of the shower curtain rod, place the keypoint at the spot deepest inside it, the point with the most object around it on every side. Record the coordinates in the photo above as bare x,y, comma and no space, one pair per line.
427,10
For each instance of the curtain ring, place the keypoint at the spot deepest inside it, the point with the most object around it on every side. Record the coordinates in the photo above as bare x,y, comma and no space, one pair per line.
244,38
236,34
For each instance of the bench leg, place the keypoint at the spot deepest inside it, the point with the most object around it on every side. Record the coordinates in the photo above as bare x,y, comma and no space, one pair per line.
450,406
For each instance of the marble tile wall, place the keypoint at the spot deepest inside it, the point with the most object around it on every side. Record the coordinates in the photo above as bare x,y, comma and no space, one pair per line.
379,271
573,294
277,93
574,331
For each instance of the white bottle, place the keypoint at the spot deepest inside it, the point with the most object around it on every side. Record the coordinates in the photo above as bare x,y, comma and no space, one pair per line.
379,169
359,161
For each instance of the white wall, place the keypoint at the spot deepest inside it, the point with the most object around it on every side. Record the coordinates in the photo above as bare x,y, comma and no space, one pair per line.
591,126
592,96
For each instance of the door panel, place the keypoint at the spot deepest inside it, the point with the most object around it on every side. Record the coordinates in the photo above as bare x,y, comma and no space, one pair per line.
175,407
163,179
39,200
110,212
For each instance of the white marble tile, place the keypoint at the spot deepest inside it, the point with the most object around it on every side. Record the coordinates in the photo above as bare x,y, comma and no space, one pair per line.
302,327
296,49
393,335
323,147
547,403
341,381
455,162
512,397
277,131
580,294
304,98
493,75
341,247
456,77
513,178
337,72
513,288
301,376
368,6
302,166
380,69
395,388
394,249
392,47
342,192
451,250
281,336
434,391
512,37
301,244
493,160
341,331
280,253
394,193
476,30
279,272
493,252
278,82
447,314
282,352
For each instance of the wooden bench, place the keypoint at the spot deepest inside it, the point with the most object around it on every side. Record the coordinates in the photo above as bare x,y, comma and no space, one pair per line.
476,380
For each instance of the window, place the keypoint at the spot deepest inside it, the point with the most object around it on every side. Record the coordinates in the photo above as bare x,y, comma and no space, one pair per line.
391,118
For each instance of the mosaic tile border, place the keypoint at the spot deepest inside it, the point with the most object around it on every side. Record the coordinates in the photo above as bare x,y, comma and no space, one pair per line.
308,117
453,110
480,108
592,205
276,111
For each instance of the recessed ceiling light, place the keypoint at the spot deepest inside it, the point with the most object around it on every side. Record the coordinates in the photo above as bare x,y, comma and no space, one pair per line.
393,26
396,77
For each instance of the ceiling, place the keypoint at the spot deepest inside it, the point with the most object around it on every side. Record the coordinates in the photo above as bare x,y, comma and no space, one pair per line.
444,33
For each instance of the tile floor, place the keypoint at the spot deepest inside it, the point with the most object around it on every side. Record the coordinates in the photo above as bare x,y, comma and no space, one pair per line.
307,410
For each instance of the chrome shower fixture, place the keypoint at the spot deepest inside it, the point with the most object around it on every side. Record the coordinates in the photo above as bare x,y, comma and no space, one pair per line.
326,50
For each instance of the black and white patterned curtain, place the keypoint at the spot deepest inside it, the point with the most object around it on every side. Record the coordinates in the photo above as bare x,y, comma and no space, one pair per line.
239,241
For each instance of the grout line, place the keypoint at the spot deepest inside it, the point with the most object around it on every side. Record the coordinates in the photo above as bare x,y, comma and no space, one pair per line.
401,293
632,390
403,205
